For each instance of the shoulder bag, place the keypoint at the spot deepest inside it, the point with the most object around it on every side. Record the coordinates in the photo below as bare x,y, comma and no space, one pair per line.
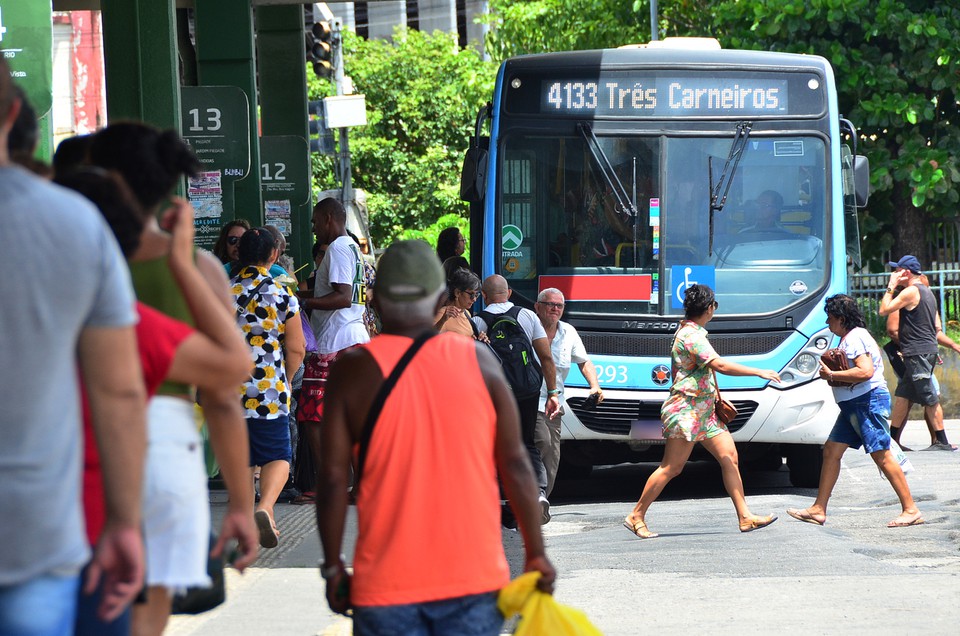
726,411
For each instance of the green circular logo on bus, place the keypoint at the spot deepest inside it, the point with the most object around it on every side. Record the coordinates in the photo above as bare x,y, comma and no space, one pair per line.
511,237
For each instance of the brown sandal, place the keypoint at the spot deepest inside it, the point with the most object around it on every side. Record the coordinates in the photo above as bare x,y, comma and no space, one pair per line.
640,529
755,523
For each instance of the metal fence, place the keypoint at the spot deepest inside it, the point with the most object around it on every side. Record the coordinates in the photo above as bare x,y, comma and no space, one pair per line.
944,283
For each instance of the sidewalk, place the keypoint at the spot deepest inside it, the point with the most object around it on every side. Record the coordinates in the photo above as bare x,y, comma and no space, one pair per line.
282,593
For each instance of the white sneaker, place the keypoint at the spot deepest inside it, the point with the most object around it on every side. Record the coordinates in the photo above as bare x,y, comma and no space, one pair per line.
544,510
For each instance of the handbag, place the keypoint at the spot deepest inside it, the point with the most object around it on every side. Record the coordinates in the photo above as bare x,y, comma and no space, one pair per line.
896,360
836,360
726,411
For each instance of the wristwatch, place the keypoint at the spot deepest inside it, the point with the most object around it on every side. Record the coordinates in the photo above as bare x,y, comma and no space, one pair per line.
327,572
890,290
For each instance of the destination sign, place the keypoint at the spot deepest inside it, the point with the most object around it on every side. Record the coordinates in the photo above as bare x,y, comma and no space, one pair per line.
666,94
666,97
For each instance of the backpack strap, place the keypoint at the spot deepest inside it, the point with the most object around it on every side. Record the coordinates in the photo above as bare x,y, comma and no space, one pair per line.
380,399
243,301
514,312
487,318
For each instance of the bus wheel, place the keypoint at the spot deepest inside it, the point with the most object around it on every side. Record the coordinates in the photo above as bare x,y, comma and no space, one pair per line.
804,462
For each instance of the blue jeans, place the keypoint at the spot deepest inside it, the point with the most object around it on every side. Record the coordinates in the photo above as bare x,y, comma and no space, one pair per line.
89,624
43,606
863,421
474,615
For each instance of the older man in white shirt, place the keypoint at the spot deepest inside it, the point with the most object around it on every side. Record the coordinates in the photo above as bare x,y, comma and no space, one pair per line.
567,349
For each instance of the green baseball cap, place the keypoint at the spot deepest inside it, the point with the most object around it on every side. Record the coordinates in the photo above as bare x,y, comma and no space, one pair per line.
409,271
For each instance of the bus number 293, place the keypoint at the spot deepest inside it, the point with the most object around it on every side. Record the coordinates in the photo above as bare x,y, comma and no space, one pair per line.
612,373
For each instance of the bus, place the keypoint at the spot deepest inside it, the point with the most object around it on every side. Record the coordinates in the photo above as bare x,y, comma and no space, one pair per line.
622,176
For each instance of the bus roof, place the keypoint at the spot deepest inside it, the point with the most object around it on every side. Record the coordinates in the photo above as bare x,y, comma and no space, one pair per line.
666,57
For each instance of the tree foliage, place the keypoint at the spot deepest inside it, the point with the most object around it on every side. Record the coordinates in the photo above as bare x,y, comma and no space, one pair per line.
542,26
422,93
898,72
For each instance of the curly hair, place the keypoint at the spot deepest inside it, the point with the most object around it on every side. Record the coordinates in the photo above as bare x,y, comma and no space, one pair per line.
697,300
220,247
462,280
447,242
846,310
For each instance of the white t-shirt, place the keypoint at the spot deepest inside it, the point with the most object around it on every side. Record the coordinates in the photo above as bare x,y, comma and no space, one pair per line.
856,343
567,349
337,329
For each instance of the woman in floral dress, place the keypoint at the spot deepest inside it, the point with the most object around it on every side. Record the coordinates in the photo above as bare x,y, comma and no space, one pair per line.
689,414
267,314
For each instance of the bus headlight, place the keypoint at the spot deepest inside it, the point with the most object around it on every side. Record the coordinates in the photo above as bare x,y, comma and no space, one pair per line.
805,366
806,363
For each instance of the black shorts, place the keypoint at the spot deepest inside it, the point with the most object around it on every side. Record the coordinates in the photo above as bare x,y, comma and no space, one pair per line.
917,383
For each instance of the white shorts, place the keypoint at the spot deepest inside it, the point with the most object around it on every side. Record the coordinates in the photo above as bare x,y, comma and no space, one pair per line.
176,507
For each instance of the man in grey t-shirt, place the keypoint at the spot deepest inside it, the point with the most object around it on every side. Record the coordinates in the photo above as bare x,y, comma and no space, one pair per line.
68,303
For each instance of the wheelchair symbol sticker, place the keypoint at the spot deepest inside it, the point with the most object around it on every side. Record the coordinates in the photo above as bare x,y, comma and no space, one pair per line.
683,276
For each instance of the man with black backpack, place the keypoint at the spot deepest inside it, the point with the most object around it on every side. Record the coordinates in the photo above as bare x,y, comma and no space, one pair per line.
518,338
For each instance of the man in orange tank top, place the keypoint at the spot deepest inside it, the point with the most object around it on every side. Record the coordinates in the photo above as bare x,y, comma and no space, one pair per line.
429,556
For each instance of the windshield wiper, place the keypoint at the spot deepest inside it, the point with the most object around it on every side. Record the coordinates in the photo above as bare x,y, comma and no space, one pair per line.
606,169
726,177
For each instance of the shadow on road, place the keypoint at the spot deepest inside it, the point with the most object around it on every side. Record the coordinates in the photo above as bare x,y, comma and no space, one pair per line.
624,483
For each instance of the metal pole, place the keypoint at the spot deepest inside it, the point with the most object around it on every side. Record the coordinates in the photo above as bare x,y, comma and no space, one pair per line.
943,305
346,193
654,31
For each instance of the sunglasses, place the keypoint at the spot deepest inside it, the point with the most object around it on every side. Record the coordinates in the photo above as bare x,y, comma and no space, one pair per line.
233,240
715,304
471,294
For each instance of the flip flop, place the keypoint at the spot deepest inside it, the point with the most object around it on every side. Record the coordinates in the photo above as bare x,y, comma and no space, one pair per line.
268,534
911,520
755,523
803,515
640,529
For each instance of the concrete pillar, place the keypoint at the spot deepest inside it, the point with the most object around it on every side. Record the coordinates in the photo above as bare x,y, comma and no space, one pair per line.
438,15
344,11
385,16
476,33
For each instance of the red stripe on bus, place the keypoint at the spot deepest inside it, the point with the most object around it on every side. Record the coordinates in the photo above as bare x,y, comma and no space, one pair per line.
636,287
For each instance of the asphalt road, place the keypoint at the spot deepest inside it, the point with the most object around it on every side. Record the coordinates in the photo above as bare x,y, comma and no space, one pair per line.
854,575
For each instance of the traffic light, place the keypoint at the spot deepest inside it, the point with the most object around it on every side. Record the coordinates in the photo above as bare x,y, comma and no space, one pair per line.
320,49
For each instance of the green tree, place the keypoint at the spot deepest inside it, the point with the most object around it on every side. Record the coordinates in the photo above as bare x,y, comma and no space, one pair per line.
422,93
542,26
898,73
430,232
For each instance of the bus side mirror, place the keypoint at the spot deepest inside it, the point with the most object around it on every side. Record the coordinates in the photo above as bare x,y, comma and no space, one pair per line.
861,180
473,177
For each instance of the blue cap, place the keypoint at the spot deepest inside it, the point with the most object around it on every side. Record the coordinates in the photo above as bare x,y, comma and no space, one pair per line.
907,262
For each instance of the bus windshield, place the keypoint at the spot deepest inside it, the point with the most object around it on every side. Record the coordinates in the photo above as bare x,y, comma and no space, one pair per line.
564,225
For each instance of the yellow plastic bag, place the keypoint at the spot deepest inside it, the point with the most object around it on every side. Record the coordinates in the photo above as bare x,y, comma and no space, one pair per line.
540,614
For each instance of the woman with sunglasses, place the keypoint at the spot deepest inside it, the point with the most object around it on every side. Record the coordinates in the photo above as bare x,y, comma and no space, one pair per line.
462,291
228,243
689,413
